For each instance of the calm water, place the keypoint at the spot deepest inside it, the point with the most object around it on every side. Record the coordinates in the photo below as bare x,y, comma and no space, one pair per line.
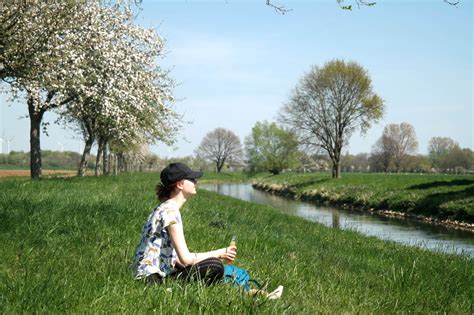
399,230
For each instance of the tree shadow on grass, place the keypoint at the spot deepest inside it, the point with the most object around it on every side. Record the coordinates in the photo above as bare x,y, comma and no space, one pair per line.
433,202
457,182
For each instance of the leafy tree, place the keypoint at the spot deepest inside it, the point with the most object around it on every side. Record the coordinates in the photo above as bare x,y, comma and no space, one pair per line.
439,147
457,160
329,104
271,148
417,163
355,163
446,155
220,146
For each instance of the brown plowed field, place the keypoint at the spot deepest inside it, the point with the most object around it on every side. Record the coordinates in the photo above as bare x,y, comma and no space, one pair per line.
15,173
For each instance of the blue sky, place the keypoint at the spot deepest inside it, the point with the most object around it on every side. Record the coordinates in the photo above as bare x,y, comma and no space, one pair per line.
236,63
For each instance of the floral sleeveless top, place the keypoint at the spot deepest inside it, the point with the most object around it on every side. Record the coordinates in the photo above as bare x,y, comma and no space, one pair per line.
155,253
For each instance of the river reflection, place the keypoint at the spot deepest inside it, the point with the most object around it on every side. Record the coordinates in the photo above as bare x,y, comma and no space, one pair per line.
404,231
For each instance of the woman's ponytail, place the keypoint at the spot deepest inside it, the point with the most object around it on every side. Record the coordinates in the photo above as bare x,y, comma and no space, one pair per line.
164,192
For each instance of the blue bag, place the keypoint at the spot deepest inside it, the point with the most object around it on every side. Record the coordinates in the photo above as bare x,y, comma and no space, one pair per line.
239,277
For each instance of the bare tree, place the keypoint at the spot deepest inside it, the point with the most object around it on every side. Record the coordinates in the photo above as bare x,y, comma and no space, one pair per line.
382,152
278,8
343,5
329,104
401,142
219,146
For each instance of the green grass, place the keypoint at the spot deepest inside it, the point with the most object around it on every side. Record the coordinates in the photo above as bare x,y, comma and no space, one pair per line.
442,196
67,245
229,177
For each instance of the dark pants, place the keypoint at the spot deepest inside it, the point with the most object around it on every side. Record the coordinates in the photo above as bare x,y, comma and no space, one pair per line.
209,270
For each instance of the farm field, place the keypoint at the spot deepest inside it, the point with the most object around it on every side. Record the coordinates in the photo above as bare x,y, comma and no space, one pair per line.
26,173
67,245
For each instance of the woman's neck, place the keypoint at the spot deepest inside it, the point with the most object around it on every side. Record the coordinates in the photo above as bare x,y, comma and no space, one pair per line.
178,199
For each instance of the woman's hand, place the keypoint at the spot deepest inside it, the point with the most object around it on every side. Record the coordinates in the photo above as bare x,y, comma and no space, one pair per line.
229,253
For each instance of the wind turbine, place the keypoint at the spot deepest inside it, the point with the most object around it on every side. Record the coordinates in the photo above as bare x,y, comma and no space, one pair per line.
2,140
7,141
8,144
62,146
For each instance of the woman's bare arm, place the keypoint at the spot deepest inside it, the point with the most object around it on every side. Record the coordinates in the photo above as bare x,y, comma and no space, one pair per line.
186,258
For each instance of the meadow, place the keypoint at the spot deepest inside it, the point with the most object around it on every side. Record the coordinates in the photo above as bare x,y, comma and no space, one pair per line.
433,195
67,245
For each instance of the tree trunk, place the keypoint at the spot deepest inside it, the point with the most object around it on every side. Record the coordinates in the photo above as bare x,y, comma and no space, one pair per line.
98,163
115,164
109,164
220,165
119,162
35,132
105,159
85,156
336,170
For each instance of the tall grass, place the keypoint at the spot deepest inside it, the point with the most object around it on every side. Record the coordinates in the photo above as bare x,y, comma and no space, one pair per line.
67,245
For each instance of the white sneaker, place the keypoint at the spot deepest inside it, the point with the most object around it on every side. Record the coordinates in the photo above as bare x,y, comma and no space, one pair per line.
276,294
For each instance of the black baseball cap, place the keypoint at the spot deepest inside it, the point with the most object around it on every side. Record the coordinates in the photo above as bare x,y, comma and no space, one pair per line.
176,172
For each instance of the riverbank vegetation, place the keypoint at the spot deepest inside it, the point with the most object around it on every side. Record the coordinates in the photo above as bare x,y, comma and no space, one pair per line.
67,244
440,196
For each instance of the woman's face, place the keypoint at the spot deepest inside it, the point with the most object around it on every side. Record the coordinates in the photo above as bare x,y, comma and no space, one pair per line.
189,187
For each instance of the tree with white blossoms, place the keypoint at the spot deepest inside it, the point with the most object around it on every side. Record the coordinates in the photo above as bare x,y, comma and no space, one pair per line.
36,59
92,59
130,106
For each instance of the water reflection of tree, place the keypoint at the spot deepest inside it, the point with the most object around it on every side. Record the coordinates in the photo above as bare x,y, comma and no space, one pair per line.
336,221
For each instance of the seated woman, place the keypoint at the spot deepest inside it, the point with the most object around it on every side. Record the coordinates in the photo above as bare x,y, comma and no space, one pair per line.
162,251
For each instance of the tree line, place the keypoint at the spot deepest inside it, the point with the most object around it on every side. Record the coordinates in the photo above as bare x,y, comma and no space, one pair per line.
272,148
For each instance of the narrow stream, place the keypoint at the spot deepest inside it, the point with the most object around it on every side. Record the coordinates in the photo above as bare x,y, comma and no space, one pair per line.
411,232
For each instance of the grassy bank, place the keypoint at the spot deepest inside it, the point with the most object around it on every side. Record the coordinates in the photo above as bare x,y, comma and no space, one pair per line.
229,177
67,245
440,196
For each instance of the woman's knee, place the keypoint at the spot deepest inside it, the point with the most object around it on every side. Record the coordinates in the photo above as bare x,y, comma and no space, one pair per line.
211,269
